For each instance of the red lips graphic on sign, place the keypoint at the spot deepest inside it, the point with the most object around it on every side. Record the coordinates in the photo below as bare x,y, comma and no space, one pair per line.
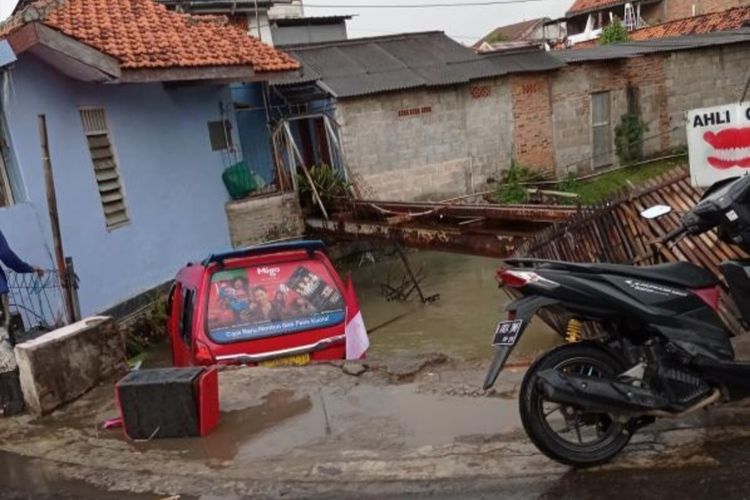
731,148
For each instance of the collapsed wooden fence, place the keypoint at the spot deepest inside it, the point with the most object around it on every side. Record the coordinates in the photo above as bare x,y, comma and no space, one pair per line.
615,232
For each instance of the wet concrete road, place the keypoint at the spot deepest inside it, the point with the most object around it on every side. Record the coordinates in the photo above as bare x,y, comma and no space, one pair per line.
417,428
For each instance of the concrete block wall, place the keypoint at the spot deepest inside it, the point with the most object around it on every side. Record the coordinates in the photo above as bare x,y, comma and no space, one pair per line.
436,181
702,78
413,144
64,364
489,127
257,220
570,95
393,140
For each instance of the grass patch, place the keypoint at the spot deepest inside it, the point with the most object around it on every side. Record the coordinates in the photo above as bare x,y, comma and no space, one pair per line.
602,187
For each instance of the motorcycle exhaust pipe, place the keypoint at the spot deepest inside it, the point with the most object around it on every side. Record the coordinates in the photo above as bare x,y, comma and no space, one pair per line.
599,395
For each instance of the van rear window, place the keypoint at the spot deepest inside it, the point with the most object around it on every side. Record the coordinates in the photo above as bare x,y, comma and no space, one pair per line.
270,300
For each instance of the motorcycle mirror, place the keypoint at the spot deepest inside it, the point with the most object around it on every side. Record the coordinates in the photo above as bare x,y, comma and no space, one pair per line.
656,211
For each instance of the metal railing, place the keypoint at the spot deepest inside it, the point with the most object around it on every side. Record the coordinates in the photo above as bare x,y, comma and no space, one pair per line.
36,303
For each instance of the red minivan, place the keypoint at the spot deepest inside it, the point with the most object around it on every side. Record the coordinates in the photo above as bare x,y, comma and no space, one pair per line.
272,305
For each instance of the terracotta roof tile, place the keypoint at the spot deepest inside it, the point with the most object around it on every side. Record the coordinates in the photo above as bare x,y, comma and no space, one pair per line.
730,19
718,21
144,34
589,5
511,32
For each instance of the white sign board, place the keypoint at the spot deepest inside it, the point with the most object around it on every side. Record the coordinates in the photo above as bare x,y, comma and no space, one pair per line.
718,142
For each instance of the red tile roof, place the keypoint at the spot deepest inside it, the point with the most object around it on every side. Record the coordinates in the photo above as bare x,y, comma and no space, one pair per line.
718,21
590,5
144,34
511,32
730,19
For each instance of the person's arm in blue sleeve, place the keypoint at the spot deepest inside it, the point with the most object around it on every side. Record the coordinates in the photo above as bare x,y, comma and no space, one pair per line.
11,260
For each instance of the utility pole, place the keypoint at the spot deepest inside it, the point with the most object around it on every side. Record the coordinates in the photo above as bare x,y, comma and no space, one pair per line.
49,182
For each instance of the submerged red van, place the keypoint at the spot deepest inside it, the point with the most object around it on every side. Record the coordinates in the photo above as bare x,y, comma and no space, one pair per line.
271,305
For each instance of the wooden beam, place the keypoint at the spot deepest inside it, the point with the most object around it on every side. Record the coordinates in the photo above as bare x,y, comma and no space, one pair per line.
203,75
84,53
67,55
215,73
23,39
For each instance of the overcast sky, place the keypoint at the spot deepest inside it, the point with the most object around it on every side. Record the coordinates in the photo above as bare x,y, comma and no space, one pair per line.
466,24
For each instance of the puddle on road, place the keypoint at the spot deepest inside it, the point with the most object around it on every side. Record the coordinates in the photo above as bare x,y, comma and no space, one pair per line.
237,428
364,417
22,477
459,325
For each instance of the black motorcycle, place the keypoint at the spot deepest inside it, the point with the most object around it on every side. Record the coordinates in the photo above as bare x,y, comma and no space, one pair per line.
658,347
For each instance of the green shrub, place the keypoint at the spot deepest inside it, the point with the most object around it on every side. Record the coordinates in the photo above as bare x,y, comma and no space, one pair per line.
511,190
629,139
613,33
148,329
329,182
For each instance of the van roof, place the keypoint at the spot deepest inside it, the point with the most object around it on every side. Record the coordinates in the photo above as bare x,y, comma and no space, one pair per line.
310,246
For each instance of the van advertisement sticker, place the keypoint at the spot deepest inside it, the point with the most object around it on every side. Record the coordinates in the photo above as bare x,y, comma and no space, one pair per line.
270,300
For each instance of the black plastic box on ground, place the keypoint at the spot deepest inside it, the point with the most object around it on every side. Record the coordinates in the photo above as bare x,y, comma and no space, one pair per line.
160,403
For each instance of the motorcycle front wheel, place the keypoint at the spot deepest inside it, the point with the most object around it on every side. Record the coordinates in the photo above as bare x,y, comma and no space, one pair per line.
565,433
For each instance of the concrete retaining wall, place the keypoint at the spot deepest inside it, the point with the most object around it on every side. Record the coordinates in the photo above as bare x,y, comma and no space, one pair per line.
257,220
60,366
428,144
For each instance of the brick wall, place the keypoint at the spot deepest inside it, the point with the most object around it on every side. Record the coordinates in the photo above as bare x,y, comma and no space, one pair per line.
678,9
428,144
257,220
571,90
532,115
433,144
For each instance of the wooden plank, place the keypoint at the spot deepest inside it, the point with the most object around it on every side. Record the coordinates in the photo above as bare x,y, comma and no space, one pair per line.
224,74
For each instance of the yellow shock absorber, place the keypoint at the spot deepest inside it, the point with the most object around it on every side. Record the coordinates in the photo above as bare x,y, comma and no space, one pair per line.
575,331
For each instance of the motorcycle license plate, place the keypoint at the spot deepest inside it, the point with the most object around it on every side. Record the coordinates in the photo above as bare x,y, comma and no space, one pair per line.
507,332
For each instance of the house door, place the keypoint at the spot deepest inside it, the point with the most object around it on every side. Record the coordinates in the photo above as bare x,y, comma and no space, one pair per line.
601,130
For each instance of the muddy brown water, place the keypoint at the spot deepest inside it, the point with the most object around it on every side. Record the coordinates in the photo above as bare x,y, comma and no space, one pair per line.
460,324
395,417
22,478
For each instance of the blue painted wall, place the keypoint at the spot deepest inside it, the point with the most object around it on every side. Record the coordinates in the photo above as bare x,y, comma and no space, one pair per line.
171,178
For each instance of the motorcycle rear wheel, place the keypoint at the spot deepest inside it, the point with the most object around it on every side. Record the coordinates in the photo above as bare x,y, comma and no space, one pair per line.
609,437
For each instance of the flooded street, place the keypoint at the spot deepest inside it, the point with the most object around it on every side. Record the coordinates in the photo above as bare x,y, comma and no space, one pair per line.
412,421
459,324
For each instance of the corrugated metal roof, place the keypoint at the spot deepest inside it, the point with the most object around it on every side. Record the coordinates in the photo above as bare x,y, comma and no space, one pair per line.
310,20
633,49
380,64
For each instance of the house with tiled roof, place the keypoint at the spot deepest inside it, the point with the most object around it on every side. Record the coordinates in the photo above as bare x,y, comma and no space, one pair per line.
275,22
532,33
585,19
141,124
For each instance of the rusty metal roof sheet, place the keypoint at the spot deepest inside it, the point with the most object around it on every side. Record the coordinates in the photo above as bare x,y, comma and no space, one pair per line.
381,64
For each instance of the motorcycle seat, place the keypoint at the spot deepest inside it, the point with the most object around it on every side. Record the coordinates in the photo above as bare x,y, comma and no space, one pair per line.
682,274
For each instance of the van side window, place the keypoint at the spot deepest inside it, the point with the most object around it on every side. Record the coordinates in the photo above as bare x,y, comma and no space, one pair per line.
186,319
170,299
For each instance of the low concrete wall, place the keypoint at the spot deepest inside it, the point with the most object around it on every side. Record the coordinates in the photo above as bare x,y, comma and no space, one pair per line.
60,366
429,182
257,220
